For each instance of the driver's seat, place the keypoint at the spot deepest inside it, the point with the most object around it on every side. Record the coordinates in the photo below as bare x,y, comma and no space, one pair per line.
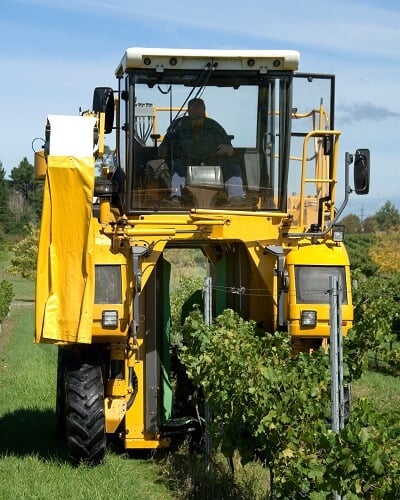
203,182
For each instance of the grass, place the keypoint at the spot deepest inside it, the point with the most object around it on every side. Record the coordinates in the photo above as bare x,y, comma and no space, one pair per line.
32,462
118,478
382,390
192,477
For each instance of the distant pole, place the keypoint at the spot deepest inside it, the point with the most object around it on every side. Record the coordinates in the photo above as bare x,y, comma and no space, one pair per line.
362,218
336,358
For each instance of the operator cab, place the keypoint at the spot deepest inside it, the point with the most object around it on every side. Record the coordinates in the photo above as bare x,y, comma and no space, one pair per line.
247,93
268,161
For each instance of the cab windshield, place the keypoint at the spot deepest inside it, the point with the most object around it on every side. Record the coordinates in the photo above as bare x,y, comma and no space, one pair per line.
214,141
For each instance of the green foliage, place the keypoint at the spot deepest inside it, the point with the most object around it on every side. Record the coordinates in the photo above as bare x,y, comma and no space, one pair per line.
386,359
4,249
31,191
180,295
25,255
352,224
364,458
5,212
376,309
358,247
270,404
385,251
264,401
23,177
187,258
372,245
6,296
387,217
188,263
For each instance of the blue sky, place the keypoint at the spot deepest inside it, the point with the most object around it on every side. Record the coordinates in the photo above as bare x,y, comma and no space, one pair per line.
54,52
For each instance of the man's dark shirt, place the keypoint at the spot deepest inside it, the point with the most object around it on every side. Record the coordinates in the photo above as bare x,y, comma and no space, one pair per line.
195,147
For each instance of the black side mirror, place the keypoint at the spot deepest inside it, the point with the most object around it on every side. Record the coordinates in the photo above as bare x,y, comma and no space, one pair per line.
103,102
361,171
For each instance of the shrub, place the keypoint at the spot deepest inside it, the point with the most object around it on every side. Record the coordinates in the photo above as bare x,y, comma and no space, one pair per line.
6,296
269,404
25,255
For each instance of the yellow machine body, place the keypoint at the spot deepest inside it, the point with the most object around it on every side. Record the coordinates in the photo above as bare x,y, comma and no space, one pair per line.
102,288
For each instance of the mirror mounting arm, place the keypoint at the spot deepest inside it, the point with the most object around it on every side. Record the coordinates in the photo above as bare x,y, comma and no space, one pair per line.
360,153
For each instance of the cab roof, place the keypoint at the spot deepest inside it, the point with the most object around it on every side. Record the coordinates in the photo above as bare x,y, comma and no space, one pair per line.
192,59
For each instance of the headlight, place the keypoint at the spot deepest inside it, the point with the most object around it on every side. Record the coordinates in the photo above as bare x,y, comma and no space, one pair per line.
308,318
109,319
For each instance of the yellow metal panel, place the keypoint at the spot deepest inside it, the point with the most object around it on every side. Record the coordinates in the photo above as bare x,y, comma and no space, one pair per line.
40,165
114,409
65,277
148,441
116,387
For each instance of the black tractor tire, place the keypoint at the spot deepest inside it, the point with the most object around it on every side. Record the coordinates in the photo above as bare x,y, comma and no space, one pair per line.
84,410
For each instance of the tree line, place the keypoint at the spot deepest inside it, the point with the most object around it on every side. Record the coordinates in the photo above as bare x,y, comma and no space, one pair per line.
20,200
373,244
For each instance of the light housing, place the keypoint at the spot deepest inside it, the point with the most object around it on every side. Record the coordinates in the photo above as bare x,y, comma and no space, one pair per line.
308,318
109,319
338,233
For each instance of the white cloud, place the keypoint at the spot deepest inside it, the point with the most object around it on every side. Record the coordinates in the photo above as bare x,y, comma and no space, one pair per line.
365,111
